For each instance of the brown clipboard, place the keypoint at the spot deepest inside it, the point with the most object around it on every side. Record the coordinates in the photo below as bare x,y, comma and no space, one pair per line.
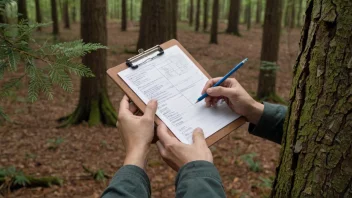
112,72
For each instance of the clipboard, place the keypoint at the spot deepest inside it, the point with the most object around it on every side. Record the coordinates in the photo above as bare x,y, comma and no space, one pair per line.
112,72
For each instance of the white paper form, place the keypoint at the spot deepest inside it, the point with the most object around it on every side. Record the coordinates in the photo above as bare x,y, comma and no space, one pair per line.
176,83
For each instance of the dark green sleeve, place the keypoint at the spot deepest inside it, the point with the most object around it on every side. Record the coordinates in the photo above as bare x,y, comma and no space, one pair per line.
129,181
199,179
270,125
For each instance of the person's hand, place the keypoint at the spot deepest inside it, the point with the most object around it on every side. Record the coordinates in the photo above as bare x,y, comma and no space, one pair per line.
137,131
176,154
235,96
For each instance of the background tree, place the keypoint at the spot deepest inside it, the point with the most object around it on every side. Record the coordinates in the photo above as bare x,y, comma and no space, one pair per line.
22,10
271,38
197,16
191,12
66,15
94,105
174,10
131,10
249,14
123,15
299,14
38,14
54,18
214,23
234,17
316,149
293,14
258,18
205,15
74,11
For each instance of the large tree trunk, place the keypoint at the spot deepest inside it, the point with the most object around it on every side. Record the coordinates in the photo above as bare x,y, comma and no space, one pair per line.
234,17
124,15
214,23
94,105
22,10
271,39
38,14
66,15
249,14
205,15
197,16
54,18
316,152
155,24
191,12
258,18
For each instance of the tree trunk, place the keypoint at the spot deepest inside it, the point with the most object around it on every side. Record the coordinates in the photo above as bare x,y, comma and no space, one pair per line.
258,18
234,17
74,12
66,15
54,18
124,15
299,14
174,11
94,105
214,23
205,15
155,23
271,39
197,16
191,13
38,14
293,14
22,10
249,14
287,19
131,10
316,152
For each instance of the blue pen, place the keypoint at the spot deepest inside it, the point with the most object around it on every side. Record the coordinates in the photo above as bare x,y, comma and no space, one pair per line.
223,79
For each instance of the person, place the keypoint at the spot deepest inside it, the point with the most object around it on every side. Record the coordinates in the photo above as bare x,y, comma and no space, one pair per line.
197,176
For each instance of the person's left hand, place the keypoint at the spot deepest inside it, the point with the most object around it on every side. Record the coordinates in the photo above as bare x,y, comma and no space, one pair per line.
137,131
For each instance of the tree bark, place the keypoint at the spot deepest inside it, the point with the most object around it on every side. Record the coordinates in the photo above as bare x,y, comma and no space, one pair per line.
54,18
249,14
22,10
205,15
124,15
197,16
271,39
316,152
214,23
258,18
234,17
38,14
191,13
66,15
94,105
293,14
155,23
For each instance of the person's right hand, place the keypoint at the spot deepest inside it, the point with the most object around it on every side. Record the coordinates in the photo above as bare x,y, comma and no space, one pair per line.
235,96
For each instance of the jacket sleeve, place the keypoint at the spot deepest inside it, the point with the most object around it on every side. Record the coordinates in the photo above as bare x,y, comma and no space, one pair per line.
270,125
199,179
129,181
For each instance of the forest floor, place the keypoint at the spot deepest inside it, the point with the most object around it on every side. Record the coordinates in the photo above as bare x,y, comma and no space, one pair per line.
27,144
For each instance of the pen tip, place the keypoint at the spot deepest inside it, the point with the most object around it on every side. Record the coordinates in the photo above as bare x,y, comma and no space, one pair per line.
245,60
196,102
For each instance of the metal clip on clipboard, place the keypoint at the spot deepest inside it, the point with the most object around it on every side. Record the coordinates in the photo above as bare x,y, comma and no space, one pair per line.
142,54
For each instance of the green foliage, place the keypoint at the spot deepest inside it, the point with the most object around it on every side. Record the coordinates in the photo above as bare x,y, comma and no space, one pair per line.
266,182
99,175
13,175
254,166
55,143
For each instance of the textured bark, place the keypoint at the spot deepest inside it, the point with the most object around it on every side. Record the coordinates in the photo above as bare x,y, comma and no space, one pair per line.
249,15
123,15
22,10
54,17
66,15
316,152
94,105
38,14
205,15
197,16
234,17
214,23
191,12
271,39
258,18
293,14
155,23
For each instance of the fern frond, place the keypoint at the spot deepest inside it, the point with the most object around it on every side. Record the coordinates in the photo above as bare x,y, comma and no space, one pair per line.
21,179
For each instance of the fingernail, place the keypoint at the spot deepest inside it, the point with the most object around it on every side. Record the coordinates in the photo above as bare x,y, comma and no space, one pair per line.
199,130
152,102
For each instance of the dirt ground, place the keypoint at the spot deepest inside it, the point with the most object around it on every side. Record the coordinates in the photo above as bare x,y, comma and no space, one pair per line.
25,143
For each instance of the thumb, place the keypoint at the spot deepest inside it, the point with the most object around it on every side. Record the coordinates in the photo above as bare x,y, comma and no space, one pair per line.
220,91
150,110
198,136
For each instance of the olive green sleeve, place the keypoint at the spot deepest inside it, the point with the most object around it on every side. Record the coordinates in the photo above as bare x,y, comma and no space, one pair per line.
270,125
199,179
129,181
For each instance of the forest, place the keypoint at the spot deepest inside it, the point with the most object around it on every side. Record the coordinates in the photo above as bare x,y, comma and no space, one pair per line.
59,108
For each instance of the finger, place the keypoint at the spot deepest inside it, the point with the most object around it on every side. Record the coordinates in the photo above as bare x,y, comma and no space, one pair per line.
161,149
215,101
221,91
124,106
150,110
207,101
164,135
210,83
198,136
133,108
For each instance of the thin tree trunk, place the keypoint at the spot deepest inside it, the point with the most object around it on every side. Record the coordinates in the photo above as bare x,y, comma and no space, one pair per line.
124,15
66,15
287,14
22,10
205,15
74,12
271,38
197,16
299,14
249,15
234,17
214,23
258,18
38,14
174,11
54,18
293,14
131,10
316,151
191,13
